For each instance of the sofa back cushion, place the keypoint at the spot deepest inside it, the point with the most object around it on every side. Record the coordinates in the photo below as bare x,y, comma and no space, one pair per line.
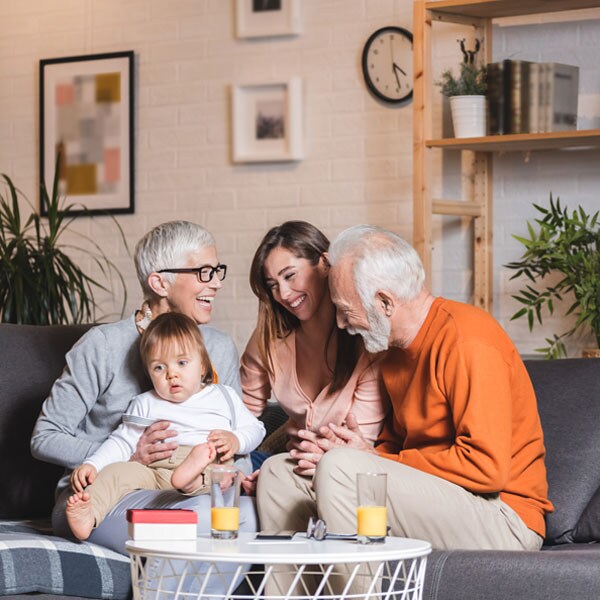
31,358
568,395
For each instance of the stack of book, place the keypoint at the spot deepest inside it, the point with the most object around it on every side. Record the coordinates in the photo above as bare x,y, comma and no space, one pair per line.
531,97
162,524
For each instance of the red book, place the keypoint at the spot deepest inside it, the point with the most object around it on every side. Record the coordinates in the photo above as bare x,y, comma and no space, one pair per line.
165,515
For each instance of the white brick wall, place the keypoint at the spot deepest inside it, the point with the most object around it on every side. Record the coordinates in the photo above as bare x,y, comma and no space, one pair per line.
358,164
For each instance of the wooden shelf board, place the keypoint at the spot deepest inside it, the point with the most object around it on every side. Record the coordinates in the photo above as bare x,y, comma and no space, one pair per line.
490,9
522,142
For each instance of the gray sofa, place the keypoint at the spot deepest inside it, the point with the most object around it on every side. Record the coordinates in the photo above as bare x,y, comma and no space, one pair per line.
32,561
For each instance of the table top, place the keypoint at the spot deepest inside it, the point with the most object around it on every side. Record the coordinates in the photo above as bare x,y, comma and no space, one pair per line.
297,550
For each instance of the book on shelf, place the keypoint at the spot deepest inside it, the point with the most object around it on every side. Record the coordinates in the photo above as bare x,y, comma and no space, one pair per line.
495,98
534,97
516,96
531,97
558,107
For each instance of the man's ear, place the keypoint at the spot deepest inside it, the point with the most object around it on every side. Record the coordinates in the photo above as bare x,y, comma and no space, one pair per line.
386,302
158,285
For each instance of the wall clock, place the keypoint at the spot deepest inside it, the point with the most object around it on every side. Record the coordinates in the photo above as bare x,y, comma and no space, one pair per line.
387,64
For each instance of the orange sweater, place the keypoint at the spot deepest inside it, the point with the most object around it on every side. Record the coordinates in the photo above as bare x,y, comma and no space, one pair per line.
464,409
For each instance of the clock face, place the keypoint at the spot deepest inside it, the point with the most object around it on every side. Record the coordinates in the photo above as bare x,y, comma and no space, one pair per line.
387,64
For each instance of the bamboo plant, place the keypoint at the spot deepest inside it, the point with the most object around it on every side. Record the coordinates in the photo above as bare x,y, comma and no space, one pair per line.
40,283
567,243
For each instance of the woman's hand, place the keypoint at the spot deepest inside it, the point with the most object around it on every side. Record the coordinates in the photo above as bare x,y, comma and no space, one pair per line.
347,435
249,483
82,476
153,444
314,445
225,442
307,454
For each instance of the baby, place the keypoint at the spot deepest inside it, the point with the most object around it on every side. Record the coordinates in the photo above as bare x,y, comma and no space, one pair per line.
210,420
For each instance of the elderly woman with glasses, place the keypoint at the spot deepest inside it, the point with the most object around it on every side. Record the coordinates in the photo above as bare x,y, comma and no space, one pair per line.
178,269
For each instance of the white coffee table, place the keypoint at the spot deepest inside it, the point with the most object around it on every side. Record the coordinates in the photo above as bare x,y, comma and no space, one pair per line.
340,569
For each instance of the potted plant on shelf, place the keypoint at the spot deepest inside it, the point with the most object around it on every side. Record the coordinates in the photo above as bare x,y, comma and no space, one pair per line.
40,283
567,244
467,94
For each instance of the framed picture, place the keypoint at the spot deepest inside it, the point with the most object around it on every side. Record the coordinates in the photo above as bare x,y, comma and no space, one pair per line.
264,18
86,116
267,121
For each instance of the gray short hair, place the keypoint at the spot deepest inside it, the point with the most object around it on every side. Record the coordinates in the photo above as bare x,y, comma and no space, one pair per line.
381,260
168,246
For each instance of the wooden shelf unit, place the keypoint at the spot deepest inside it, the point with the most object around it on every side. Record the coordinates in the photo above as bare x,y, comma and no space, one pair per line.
477,203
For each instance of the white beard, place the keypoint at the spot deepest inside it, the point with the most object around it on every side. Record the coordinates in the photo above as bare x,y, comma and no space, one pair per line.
377,337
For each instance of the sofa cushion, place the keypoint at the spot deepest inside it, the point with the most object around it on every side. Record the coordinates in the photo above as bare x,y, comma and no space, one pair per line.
32,357
588,526
571,574
32,561
568,394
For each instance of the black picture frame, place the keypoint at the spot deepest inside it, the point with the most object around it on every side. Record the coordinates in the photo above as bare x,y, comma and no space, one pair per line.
87,113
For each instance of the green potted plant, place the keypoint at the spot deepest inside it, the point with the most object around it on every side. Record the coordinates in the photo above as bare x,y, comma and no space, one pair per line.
466,92
567,244
40,283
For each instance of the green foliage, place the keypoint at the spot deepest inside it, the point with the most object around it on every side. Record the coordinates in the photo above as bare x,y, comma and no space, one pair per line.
471,81
570,245
39,283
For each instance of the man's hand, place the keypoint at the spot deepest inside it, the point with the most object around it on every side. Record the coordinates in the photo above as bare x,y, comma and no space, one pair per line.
225,442
82,476
153,444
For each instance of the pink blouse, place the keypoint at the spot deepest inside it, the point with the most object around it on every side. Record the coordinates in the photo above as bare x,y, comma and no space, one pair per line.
364,394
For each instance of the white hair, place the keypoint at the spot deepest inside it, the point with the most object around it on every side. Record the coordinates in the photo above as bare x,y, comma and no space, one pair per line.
381,260
168,246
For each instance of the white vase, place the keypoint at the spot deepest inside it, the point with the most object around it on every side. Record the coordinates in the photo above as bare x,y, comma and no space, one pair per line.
468,116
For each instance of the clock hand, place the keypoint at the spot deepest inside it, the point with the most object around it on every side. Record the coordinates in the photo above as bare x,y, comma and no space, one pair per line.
397,78
396,67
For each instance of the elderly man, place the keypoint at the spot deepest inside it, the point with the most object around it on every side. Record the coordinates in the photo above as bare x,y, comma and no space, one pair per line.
462,446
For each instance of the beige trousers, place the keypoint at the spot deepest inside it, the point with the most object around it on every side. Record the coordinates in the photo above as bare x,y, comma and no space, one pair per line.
118,479
420,505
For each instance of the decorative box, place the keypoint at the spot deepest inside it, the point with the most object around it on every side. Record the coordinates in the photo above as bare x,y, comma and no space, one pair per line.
162,524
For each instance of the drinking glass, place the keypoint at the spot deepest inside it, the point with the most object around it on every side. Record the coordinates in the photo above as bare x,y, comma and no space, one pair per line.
371,512
225,486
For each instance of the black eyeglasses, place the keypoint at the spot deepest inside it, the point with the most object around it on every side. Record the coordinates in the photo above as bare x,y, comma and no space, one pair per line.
204,274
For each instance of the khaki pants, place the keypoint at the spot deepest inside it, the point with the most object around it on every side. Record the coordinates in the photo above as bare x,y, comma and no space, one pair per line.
116,480
420,505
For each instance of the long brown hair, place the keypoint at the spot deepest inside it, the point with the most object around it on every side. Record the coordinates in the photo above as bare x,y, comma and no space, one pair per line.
303,240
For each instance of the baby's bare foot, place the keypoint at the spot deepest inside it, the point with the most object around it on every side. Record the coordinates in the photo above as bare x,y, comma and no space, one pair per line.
80,515
188,476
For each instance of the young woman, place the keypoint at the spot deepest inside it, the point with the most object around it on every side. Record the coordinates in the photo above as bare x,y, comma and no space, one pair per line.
318,373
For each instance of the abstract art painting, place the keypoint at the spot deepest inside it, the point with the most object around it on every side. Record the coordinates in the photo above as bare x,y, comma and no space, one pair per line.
86,119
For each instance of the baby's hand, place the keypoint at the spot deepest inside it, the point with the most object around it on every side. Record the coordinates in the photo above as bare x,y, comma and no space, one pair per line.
225,442
82,476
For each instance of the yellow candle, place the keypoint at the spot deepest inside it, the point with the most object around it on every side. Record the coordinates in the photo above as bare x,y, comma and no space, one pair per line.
225,518
371,520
